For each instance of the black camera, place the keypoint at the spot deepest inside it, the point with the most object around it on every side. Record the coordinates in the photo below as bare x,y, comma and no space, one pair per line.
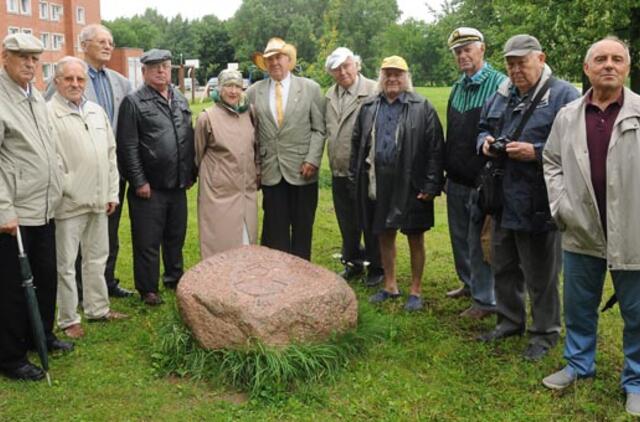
499,146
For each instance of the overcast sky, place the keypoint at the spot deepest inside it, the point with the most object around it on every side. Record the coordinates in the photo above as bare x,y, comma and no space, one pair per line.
224,9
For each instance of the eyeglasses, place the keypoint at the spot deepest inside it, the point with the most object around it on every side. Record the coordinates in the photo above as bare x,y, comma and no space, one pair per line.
104,43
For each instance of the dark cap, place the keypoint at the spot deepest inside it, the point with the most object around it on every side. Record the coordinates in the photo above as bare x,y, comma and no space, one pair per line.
521,45
22,43
155,56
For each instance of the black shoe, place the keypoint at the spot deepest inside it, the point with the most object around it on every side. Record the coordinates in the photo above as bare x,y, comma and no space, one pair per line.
498,334
535,352
351,272
26,372
374,278
172,285
119,292
59,345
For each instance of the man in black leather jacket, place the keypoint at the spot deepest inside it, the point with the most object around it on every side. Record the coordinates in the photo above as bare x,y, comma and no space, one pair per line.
397,167
156,154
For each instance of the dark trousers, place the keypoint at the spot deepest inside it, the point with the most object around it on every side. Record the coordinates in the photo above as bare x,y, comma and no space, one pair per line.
346,214
533,261
15,331
114,244
160,221
289,212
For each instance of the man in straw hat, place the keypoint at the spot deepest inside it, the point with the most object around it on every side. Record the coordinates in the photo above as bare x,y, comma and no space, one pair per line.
343,104
30,189
396,163
291,133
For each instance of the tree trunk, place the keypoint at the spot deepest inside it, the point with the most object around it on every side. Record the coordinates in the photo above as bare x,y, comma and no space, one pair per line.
634,45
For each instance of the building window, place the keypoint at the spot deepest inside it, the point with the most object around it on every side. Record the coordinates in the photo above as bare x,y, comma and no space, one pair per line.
56,12
13,30
25,7
45,38
44,10
58,40
47,71
27,31
80,15
12,6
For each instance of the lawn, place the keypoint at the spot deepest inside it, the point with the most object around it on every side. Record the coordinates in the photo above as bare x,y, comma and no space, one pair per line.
430,369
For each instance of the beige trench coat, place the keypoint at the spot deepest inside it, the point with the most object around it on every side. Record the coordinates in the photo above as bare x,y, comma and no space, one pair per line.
567,171
228,171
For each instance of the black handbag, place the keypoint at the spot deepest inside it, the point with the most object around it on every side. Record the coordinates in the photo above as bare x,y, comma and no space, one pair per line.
489,184
490,188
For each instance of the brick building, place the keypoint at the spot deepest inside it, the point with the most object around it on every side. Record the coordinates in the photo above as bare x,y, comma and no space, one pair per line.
57,23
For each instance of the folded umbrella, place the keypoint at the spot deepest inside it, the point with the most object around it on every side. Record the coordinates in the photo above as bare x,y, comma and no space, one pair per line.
33,310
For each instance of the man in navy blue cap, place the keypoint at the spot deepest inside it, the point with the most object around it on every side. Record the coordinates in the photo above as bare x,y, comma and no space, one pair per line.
156,155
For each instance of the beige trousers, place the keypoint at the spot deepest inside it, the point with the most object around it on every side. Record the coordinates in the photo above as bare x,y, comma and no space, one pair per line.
89,232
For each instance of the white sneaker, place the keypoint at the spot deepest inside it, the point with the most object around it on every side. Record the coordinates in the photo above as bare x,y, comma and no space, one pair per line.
561,379
633,404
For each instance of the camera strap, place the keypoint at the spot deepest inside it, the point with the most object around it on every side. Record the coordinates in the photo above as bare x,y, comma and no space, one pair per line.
532,106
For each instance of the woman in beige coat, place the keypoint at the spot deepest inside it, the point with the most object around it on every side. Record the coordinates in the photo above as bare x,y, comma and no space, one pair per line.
228,169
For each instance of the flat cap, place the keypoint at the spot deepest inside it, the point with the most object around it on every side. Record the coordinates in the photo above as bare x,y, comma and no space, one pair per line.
521,45
337,57
155,55
24,43
463,36
394,62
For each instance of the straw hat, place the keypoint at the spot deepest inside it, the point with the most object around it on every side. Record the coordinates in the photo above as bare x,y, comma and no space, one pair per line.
275,46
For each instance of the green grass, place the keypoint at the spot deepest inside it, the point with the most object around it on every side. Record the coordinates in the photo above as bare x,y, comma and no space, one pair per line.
429,369
268,374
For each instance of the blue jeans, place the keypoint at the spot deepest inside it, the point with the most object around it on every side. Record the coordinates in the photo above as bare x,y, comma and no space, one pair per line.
465,225
583,282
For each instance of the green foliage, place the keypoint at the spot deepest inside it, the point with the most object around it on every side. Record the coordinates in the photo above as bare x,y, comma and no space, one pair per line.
265,372
299,22
206,39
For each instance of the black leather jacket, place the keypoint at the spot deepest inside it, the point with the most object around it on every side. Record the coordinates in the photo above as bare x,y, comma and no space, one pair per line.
155,140
419,165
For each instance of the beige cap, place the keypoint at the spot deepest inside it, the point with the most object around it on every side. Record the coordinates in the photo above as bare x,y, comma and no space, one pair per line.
394,62
23,43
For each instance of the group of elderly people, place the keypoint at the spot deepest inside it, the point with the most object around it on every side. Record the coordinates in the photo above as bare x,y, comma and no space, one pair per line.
566,181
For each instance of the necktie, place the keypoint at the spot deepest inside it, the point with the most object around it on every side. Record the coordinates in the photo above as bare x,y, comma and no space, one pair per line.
279,114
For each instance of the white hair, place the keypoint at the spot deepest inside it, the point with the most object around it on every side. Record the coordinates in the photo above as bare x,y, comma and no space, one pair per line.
70,59
476,43
382,77
89,31
608,38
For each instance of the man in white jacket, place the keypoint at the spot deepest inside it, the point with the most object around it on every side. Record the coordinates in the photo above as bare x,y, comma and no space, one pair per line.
591,171
87,150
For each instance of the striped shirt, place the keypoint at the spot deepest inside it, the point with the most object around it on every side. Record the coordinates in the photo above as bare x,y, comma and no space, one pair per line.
471,92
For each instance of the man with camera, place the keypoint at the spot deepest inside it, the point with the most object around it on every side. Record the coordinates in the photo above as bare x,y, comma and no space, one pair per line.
514,126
